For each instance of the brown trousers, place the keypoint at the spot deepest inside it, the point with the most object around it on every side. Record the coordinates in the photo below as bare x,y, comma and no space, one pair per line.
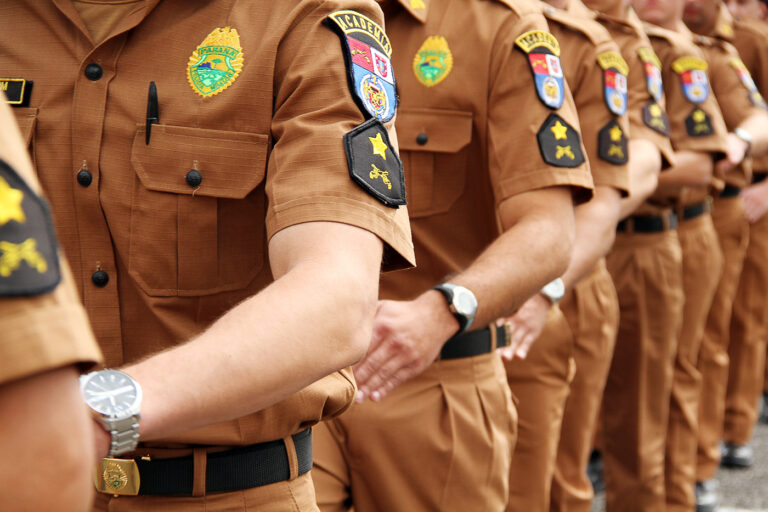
733,233
702,267
647,273
441,441
592,311
540,383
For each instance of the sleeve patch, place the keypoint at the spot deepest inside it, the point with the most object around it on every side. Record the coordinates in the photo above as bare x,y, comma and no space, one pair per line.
652,68
560,143
615,70
367,52
17,91
29,263
374,165
655,118
612,144
543,53
746,79
698,124
693,78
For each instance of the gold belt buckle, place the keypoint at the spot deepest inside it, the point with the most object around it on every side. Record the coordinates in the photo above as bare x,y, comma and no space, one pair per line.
507,335
119,477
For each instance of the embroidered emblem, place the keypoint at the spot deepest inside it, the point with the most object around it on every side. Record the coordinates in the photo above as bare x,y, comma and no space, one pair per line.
726,30
17,91
560,143
746,79
369,68
29,262
693,76
698,124
115,477
612,144
615,71
433,62
373,165
655,118
418,4
543,52
216,62
652,67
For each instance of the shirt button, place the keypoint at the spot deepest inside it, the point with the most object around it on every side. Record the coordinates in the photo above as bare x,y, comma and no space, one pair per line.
421,139
194,178
100,278
84,177
93,72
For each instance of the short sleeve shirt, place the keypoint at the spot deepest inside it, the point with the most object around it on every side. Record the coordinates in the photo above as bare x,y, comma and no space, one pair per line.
467,124
48,330
253,105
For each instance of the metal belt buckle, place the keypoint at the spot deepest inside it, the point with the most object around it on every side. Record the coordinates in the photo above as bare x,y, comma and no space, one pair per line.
117,476
507,335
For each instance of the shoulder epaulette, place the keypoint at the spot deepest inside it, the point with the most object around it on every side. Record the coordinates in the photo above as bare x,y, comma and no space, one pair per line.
592,30
523,7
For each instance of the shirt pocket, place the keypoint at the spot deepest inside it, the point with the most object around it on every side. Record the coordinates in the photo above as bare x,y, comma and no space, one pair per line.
197,210
433,145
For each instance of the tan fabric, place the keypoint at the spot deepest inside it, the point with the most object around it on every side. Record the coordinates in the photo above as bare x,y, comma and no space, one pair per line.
179,257
540,383
592,312
647,272
702,267
733,234
46,331
102,16
441,442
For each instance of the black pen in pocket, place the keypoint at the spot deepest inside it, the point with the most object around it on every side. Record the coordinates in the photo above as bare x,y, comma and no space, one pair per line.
152,109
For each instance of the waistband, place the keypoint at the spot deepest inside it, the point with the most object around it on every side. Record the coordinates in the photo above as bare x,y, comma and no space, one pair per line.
694,210
648,223
475,343
757,177
730,191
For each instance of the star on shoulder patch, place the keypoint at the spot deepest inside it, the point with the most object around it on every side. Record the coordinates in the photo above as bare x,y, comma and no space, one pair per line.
655,118
543,52
29,263
373,165
612,144
698,124
560,143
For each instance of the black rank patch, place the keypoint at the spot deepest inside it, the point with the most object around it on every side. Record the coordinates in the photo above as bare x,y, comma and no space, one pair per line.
655,118
612,144
17,91
29,263
374,165
698,124
560,143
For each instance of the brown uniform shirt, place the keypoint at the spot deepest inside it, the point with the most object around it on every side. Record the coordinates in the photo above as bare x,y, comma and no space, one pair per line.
467,124
47,330
590,62
263,133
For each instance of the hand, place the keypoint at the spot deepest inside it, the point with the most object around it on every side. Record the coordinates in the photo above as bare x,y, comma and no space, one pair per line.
737,151
755,201
525,327
407,336
101,440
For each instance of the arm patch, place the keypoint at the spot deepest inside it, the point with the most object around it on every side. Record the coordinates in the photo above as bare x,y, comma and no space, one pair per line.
655,118
612,144
698,123
543,53
560,143
373,165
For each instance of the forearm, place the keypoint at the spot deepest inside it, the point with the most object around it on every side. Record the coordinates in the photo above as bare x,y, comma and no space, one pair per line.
310,322
595,232
757,126
692,169
644,168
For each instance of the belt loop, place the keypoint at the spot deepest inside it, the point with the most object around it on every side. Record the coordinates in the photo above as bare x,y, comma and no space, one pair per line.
293,460
630,224
494,337
200,463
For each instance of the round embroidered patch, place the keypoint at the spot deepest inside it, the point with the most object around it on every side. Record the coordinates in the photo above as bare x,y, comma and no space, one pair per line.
433,62
216,62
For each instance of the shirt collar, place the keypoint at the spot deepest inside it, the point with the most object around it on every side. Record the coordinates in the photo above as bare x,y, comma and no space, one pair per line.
417,8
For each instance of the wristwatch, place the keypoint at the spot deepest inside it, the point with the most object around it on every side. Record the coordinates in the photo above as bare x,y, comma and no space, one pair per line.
461,302
746,137
554,291
114,398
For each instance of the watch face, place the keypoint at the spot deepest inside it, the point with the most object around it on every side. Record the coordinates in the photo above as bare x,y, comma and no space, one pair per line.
111,393
555,290
464,302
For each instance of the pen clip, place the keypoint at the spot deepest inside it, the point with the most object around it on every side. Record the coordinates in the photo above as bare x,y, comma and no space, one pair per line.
153,115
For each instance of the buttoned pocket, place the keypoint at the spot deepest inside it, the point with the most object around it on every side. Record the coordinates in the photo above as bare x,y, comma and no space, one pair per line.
433,147
197,211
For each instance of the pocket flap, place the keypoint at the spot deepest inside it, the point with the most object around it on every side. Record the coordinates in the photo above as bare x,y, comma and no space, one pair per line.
231,164
439,131
26,118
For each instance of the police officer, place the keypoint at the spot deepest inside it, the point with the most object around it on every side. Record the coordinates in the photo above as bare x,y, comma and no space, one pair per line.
47,440
225,185
439,434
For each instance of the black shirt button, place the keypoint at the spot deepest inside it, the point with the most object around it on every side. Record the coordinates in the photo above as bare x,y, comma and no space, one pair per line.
84,177
100,278
421,139
194,178
93,72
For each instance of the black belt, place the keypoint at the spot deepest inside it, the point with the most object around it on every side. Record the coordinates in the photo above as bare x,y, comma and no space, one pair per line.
694,210
759,176
473,343
231,470
730,191
648,223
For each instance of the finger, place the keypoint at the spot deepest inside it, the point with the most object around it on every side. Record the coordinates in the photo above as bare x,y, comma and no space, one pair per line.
386,372
525,346
507,353
371,364
404,374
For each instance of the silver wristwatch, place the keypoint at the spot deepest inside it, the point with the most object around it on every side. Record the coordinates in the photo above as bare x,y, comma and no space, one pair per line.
461,302
554,291
746,137
115,399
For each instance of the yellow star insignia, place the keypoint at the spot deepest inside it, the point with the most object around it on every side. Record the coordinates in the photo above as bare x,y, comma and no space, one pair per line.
379,146
560,131
10,204
655,110
418,4
616,133
699,116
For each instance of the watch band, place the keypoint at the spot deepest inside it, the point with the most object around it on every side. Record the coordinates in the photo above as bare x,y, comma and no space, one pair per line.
746,137
124,433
